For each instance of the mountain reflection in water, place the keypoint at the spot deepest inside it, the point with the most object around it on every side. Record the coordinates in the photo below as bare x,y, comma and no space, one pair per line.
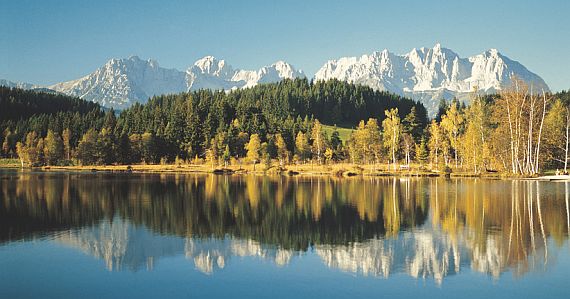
427,228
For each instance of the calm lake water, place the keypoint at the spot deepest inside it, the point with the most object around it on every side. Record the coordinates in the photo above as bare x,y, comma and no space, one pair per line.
84,235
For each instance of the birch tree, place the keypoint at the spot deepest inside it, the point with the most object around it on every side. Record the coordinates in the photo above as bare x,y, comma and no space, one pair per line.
474,140
282,152
392,130
373,139
522,111
435,142
253,148
317,137
302,149
451,122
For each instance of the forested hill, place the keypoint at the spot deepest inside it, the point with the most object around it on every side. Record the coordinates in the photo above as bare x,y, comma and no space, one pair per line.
20,104
192,120
264,108
186,125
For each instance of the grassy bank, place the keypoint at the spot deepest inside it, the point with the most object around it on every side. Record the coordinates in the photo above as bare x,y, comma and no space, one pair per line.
343,133
338,169
9,163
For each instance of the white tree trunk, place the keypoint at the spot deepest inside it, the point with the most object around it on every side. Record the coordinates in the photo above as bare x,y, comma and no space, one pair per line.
567,140
529,161
537,155
513,168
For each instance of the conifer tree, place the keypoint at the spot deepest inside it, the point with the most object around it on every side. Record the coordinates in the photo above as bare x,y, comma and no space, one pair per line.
422,152
106,149
87,148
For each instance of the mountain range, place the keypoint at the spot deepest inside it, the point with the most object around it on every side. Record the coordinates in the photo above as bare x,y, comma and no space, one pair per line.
122,82
429,74
424,74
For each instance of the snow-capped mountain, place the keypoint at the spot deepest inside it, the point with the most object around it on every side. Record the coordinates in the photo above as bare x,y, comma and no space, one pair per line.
424,74
212,73
430,74
122,82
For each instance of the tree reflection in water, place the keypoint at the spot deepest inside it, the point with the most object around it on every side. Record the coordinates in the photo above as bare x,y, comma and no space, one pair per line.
428,228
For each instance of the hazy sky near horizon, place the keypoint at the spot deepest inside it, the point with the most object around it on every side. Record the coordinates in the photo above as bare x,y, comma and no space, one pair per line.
46,42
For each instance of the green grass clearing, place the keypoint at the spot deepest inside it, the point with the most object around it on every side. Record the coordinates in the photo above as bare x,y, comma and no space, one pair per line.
344,133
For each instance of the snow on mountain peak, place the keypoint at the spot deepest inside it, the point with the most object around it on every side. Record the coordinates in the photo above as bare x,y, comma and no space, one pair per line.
427,74
211,73
424,74
278,71
121,82
211,66
493,52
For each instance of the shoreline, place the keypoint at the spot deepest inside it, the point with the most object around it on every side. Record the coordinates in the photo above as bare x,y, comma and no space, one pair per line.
336,170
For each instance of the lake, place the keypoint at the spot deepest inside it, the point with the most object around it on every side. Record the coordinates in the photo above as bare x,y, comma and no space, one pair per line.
109,235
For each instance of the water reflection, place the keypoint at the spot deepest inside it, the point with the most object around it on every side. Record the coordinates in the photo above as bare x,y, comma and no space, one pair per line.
427,228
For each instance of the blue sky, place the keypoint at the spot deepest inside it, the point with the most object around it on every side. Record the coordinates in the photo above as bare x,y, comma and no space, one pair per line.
45,42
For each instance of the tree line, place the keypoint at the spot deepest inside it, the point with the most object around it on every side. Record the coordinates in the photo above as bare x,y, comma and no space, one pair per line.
518,131
269,119
203,123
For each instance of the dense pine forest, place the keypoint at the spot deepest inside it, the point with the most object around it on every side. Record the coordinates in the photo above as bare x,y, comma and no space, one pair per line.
293,122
